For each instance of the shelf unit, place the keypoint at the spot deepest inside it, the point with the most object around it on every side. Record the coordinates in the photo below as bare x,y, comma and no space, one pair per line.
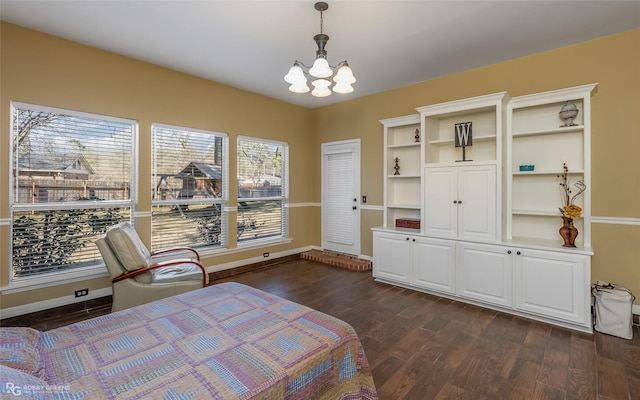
536,137
486,113
402,192
489,232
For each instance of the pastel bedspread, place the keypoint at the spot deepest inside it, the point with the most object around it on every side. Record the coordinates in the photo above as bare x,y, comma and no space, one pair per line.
226,341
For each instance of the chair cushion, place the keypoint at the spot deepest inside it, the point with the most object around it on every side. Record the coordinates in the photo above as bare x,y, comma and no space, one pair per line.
128,247
20,349
176,273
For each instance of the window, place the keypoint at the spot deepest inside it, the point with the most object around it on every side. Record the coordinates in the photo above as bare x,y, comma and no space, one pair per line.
189,179
262,189
71,179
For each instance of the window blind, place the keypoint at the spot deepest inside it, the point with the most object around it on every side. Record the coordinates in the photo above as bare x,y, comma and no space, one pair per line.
262,189
72,178
189,192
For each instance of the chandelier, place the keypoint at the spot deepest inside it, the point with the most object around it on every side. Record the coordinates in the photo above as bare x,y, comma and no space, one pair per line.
320,72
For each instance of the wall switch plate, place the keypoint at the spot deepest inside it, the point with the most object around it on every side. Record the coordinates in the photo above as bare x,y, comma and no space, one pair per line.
364,199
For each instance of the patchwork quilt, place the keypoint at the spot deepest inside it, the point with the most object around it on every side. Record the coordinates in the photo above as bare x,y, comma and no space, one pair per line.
226,341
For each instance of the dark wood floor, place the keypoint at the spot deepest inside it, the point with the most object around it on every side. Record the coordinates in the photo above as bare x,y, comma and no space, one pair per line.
425,347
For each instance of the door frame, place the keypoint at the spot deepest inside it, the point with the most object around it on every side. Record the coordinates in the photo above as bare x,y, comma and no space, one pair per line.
356,143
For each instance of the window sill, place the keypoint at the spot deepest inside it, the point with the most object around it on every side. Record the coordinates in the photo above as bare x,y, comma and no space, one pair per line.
256,244
53,279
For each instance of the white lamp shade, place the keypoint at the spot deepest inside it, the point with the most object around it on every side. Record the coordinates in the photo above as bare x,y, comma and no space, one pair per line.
295,76
320,68
343,88
344,75
321,92
299,88
321,87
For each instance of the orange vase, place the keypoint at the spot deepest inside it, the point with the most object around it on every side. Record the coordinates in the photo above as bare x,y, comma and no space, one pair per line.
568,232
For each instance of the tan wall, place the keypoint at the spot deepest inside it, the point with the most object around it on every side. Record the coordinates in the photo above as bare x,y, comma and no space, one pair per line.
42,69
613,62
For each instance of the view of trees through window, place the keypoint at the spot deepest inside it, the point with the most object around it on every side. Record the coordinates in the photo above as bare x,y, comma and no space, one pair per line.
71,180
261,189
73,176
188,187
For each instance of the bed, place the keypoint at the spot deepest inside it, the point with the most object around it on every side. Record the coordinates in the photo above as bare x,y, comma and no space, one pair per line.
226,341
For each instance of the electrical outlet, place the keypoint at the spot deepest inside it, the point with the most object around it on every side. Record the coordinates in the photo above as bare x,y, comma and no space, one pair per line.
82,292
265,255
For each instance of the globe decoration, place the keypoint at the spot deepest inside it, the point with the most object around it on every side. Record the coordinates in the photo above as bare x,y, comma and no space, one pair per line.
567,113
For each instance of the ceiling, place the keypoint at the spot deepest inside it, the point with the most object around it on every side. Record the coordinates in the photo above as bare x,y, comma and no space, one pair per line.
252,44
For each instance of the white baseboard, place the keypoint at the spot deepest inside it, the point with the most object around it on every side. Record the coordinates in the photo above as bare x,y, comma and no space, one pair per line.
253,260
94,294
52,303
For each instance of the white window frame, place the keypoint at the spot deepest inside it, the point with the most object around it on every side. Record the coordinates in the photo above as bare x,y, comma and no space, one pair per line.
284,197
76,274
224,201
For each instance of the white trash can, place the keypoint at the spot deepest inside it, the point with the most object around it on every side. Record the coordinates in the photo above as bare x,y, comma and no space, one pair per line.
613,309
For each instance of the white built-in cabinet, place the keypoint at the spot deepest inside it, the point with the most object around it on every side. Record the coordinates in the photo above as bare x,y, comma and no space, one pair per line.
392,252
486,273
488,231
460,202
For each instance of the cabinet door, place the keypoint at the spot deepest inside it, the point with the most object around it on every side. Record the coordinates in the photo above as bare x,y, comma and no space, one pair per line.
552,284
477,202
392,256
440,211
485,273
433,264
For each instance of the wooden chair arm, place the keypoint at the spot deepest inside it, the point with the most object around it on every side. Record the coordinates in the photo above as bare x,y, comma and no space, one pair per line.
162,264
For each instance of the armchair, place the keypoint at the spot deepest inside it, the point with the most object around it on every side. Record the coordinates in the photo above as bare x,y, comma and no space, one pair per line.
139,276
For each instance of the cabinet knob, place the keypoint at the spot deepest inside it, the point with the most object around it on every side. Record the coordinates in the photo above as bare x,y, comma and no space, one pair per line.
413,240
354,208
455,202
459,201
508,251
407,239
518,253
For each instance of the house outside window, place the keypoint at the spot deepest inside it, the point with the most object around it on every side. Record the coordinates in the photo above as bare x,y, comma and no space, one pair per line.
262,190
71,179
189,187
